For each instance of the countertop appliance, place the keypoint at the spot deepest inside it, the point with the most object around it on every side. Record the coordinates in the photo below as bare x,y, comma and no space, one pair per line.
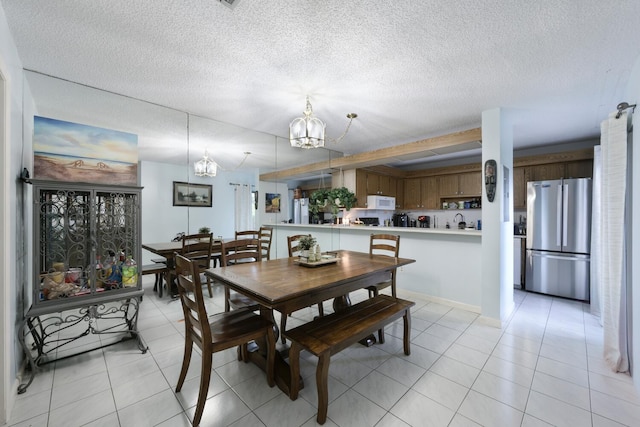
559,237
381,202
372,222
424,221
400,220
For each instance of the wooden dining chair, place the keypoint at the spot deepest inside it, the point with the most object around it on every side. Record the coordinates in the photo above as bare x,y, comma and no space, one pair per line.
215,333
389,245
234,252
266,233
293,243
198,247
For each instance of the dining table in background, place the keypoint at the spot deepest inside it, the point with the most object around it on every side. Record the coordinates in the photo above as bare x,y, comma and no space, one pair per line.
286,286
168,249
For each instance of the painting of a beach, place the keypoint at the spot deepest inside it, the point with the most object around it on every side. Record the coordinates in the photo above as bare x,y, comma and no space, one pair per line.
65,151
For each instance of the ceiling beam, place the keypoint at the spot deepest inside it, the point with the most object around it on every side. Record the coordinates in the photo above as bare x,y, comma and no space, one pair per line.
378,157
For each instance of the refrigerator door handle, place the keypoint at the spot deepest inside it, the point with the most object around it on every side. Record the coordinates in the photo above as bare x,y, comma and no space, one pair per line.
565,213
535,254
559,218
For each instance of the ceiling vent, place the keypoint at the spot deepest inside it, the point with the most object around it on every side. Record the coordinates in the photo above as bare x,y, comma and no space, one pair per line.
229,3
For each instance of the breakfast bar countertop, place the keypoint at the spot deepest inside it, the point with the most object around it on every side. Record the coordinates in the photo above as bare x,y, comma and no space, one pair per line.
383,229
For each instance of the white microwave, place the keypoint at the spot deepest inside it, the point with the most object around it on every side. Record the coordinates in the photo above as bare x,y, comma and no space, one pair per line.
381,202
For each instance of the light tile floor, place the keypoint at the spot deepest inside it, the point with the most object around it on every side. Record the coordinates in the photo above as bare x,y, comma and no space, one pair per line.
544,368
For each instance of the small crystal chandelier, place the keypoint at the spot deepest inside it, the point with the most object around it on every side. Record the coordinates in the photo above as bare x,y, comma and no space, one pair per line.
307,131
205,166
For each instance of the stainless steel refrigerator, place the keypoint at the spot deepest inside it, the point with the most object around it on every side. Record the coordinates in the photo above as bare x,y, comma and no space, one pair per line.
301,211
559,237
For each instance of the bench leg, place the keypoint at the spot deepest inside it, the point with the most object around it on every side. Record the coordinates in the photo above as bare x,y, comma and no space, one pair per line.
322,374
407,331
294,366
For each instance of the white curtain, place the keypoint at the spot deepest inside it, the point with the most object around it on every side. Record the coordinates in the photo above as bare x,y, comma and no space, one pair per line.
244,217
612,269
596,239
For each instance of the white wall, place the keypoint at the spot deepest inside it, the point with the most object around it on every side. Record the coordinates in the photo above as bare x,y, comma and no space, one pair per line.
632,96
13,251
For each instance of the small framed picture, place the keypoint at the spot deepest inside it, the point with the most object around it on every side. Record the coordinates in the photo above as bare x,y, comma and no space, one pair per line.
272,202
189,194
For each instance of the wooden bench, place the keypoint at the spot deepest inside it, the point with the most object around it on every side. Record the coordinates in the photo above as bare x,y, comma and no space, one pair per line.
159,269
331,334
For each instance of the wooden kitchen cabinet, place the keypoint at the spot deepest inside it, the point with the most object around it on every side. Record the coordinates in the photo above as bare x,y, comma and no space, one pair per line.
429,193
382,185
470,184
519,188
421,193
360,189
579,169
463,184
399,193
412,193
363,183
545,172
448,185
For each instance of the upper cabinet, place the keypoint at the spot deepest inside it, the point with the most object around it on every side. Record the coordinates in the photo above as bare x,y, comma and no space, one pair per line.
523,174
364,183
463,184
421,193
545,172
579,169
519,187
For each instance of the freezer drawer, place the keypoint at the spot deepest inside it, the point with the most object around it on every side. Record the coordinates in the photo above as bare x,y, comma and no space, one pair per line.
564,275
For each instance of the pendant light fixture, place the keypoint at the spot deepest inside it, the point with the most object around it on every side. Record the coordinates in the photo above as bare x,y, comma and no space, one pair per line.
205,166
308,131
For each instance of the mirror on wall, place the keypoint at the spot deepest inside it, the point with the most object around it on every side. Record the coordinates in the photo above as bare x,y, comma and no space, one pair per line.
169,142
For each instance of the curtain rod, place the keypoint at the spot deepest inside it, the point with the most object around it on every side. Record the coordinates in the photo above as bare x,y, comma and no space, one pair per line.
246,185
623,106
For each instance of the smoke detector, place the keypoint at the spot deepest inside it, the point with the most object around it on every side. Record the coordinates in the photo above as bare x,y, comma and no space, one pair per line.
229,3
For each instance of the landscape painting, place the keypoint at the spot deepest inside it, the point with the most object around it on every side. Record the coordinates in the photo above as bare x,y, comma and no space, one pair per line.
65,151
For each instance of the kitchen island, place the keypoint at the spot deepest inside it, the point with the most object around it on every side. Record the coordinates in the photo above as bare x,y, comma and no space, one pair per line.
448,261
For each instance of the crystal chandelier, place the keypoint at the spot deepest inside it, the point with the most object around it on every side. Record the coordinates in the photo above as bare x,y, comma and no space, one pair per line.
205,166
307,131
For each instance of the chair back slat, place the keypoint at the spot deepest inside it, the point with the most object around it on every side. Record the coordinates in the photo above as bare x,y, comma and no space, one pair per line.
240,251
198,247
266,233
384,244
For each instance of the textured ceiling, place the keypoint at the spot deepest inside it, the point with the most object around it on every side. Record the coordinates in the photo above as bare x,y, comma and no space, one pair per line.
409,69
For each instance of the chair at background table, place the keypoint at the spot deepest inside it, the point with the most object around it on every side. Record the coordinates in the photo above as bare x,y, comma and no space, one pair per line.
293,243
198,247
215,333
389,245
266,233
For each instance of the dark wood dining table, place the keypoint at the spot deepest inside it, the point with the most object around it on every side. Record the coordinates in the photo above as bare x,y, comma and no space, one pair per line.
286,286
167,251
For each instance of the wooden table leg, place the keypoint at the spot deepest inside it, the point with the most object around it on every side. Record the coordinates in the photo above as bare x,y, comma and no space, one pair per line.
282,372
